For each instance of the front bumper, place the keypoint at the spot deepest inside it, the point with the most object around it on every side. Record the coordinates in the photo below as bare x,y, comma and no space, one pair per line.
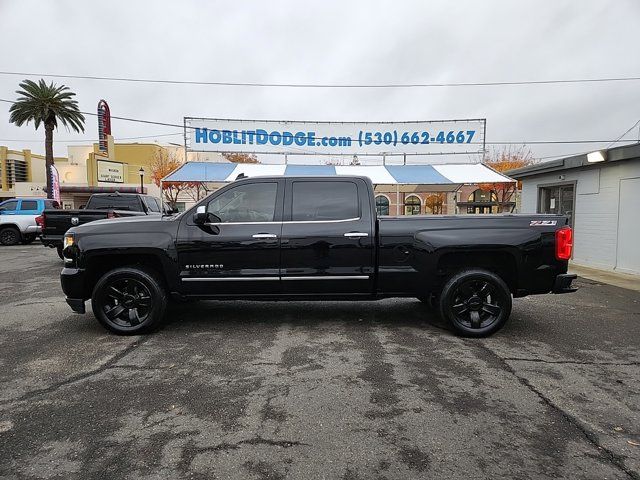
76,304
73,281
562,283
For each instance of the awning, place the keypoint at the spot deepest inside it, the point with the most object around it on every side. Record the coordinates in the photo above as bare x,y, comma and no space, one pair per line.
90,190
450,175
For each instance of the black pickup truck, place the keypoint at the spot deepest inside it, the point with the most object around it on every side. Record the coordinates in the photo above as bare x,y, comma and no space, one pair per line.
318,238
55,223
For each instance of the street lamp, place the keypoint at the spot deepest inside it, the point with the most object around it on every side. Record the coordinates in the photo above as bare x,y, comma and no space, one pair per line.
141,172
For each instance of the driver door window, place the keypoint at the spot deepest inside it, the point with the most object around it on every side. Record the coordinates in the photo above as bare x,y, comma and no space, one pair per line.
9,207
254,202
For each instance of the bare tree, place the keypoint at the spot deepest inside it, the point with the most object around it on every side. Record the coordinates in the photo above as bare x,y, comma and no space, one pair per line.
502,160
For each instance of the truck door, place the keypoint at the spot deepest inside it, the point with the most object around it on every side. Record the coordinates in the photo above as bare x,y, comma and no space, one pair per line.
238,251
327,244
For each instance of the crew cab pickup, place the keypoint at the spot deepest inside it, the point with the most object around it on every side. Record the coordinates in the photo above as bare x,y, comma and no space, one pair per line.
55,223
318,238
18,219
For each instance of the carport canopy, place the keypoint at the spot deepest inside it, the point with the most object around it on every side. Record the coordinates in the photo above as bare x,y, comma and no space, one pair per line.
404,178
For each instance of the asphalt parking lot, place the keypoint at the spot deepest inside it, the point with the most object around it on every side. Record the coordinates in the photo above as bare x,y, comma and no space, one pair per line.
316,390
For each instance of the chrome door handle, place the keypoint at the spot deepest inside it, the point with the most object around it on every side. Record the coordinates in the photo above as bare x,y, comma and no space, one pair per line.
264,235
356,234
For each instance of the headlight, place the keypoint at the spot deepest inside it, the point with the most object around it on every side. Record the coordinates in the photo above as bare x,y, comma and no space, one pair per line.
68,240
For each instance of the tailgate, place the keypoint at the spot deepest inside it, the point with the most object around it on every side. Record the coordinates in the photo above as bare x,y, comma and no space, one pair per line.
57,222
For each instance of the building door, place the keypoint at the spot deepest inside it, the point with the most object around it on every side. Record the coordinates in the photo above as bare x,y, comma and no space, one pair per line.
628,253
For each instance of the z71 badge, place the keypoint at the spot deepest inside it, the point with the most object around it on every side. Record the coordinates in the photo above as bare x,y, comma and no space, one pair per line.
542,223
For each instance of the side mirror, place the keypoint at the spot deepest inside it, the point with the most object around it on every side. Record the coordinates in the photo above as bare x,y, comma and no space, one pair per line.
200,217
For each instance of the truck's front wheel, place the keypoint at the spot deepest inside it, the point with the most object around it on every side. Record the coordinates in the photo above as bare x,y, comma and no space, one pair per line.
476,302
129,301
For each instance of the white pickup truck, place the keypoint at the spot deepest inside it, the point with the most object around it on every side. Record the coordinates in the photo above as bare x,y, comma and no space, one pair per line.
15,229
18,219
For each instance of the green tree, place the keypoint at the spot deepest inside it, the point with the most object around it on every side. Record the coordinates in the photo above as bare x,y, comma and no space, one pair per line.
47,105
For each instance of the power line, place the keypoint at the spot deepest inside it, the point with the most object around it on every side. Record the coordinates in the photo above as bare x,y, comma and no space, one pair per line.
328,85
519,142
632,127
89,140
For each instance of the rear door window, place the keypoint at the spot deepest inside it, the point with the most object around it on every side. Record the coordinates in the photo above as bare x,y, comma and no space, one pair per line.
324,201
29,205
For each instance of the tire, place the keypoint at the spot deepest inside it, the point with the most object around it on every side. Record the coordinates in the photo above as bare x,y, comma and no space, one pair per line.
10,236
476,302
129,301
28,238
59,250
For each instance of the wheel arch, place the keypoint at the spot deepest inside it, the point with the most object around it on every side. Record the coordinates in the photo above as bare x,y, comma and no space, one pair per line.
97,266
501,262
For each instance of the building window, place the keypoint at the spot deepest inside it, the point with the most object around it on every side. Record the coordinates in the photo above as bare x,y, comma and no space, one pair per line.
434,203
482,196
482,201
556,199
382,205
412,205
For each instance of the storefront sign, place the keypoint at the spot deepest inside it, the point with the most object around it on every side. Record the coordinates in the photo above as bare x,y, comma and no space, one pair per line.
110,172
339,138
104,125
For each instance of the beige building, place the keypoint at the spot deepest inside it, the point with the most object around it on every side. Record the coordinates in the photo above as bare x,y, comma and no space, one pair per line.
86,170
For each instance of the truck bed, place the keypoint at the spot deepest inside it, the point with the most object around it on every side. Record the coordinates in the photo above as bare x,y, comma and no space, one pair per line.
414,248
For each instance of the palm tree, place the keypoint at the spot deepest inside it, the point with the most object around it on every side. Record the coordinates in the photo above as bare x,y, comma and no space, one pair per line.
47,105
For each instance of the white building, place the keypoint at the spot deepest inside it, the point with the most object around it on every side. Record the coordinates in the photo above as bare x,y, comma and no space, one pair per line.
601,196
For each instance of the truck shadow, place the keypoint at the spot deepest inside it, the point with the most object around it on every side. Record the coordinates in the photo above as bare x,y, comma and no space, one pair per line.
398,312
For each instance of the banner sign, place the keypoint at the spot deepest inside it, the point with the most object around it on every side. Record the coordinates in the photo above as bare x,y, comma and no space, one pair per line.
55,183
335,138
104,125
110,172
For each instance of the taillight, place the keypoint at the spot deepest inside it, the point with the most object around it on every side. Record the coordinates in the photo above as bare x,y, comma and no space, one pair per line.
111,214
40,221
564,243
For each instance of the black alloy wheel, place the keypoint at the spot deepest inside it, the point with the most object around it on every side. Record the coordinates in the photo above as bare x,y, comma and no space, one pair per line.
28,238
10,236
476,302
129,300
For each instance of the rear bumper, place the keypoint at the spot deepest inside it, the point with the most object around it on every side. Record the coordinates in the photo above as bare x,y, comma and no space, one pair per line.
562,283
49,241
73,285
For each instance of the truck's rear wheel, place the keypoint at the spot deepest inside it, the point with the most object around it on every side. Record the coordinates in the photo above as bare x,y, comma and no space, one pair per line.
476,302
10,236
129,301
28,238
